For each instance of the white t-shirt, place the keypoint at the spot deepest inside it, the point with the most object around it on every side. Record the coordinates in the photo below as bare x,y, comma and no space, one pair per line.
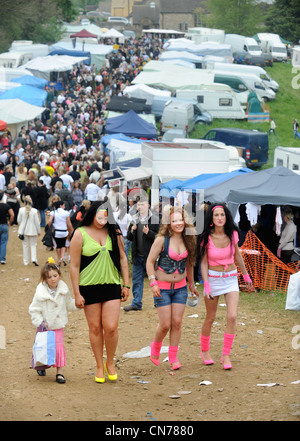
68,180
91,192
123,223
60,222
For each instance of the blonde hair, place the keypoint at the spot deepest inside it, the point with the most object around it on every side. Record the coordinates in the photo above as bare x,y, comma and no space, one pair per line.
28,204
188,239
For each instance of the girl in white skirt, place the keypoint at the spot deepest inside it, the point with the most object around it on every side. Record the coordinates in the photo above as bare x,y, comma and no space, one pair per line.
219,252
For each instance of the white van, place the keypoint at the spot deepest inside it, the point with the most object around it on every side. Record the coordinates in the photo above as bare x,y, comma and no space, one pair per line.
243,82
219,100
252,70
272,44
240,43
120,20
14,59
178,116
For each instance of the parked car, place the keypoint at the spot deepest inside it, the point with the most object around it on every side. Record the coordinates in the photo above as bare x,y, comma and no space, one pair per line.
257,60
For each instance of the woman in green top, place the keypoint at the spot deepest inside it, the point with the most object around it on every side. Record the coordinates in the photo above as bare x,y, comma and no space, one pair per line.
98,268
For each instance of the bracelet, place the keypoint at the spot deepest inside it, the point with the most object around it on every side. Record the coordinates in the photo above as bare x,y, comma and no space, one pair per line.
151,277
126,286
191,284
246,278
153,283
207,287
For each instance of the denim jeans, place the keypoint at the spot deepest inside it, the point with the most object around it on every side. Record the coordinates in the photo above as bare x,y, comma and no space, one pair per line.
3,241
127,245
43,218
138,274
169,296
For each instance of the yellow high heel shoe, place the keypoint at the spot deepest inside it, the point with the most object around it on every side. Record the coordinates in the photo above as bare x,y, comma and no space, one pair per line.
99,380
113,377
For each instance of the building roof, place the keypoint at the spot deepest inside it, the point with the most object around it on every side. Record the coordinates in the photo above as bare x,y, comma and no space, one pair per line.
178,6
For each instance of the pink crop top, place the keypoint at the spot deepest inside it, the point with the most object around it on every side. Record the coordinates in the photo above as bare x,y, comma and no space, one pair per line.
174,256
221,256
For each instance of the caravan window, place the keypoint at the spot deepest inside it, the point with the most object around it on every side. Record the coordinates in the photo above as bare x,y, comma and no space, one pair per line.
225,102
279,162
200,98
295,167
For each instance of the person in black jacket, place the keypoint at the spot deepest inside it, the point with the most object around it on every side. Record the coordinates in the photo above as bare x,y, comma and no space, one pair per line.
41,204
141,231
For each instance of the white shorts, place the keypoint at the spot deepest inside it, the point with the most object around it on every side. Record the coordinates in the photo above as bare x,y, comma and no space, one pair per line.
223,285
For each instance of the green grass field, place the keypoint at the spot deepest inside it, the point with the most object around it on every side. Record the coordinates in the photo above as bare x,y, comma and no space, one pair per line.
283,110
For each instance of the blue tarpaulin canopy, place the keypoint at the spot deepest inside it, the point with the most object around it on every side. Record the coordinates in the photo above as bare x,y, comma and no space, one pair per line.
29,94
131,124
30,80
200,182
72,53
106,138
208,180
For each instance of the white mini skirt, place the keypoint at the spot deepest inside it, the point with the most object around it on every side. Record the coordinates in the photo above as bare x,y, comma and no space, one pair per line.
223,282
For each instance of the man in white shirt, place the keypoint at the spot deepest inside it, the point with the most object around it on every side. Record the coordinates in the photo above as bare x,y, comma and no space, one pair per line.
67,180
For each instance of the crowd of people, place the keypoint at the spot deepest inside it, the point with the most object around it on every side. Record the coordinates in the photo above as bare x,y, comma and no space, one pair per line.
56,167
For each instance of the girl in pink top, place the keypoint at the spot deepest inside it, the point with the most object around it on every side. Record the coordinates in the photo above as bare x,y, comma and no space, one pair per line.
219,252
175,246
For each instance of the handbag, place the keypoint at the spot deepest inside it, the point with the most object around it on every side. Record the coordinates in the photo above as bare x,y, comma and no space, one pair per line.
43,350
21,236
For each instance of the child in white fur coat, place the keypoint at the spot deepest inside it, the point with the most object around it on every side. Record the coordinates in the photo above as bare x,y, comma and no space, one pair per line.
49,311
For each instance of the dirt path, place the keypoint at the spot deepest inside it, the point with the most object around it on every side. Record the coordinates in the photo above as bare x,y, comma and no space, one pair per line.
142,392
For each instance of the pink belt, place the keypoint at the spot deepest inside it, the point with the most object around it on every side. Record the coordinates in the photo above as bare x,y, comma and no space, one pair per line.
171,285
222,275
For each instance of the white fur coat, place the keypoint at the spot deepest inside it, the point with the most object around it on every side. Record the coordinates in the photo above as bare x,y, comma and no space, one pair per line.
53,310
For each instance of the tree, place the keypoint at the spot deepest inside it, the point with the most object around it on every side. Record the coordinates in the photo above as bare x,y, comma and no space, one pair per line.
234,16
284,19
36,20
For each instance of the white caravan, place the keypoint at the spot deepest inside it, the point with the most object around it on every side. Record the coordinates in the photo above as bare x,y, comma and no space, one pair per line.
13,60
288,157
219,100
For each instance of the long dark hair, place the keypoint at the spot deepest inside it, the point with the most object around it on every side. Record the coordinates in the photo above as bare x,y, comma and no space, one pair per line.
113,228
229,226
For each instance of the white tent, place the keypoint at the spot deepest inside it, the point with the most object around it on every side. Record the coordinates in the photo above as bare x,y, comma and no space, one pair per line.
42,66
145,92
16,113
113,34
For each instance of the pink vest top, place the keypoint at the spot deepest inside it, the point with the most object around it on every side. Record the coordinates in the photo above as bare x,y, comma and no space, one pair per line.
221,256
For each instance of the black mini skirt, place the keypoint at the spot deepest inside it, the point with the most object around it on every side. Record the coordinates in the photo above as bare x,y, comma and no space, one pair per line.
100,293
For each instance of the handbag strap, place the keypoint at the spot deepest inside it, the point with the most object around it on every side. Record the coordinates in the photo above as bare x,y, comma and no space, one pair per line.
26,224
